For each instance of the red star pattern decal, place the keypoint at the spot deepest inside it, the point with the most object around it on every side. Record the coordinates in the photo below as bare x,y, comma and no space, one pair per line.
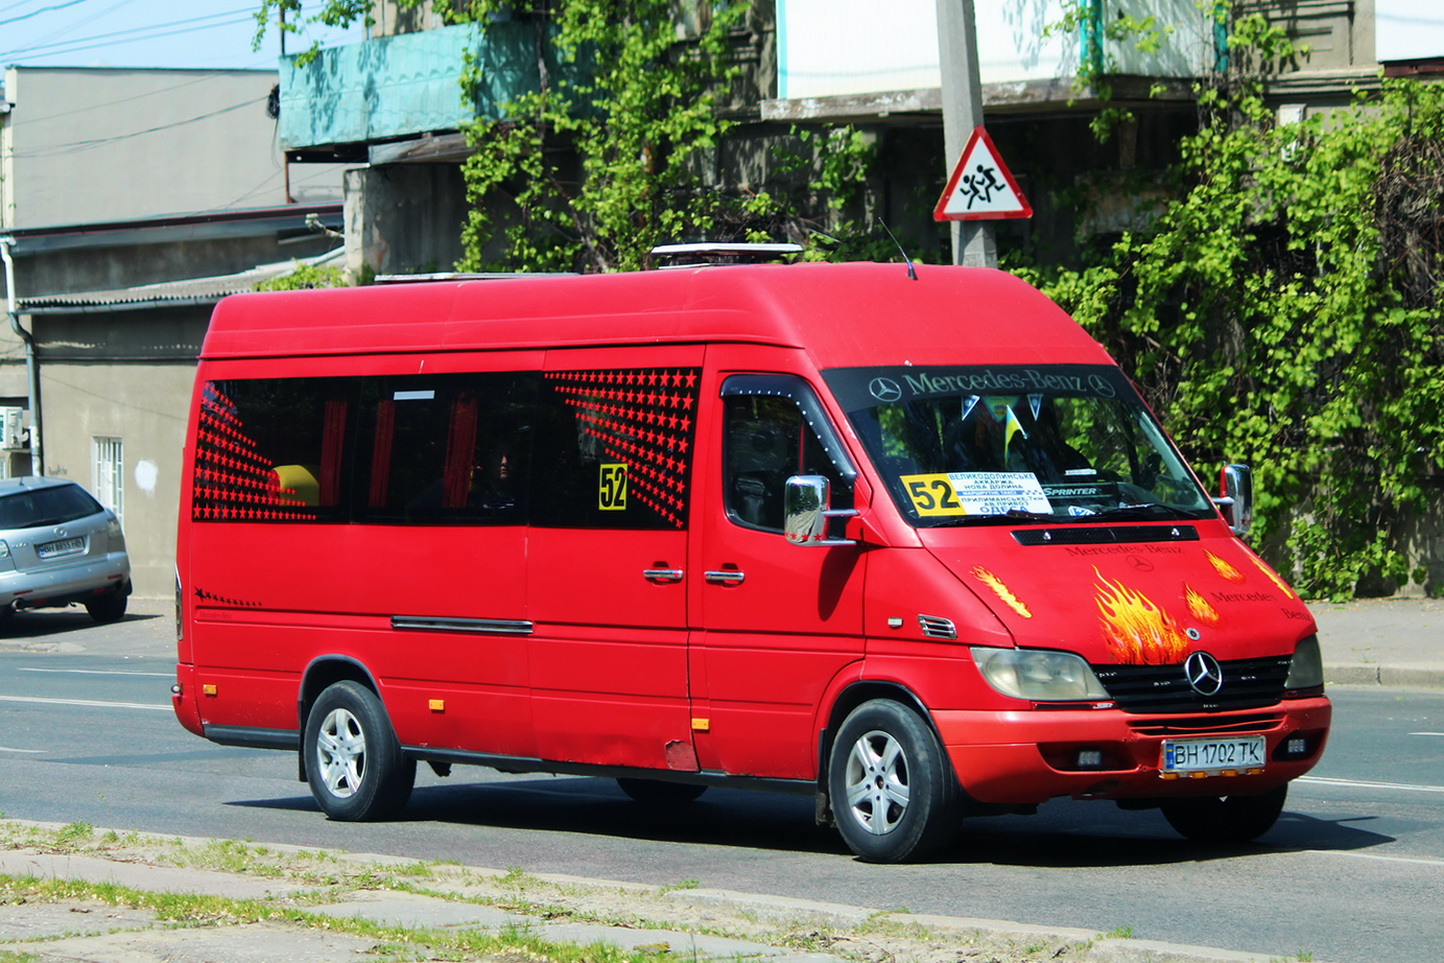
633,414
231,481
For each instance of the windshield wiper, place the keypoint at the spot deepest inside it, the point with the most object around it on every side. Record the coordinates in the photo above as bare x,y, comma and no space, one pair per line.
1003,518
1150,510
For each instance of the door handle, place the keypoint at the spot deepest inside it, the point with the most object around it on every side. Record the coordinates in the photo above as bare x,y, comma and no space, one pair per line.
726,577
662,576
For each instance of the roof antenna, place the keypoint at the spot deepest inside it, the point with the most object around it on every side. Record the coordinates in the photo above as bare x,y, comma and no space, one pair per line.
909,261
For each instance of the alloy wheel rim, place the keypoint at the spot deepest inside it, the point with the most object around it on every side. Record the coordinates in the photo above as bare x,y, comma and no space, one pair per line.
341,752
876,782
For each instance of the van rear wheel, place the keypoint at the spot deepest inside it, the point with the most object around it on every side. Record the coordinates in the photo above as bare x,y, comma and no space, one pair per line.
1226,819
893,793
354,763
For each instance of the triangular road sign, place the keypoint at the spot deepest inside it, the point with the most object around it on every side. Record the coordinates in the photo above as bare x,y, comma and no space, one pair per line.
981,187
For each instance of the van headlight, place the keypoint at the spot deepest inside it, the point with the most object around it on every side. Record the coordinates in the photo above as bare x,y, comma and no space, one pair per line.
1306,672
1039,675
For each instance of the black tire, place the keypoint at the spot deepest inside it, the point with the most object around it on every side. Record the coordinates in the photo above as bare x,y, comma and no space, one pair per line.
1226,819
107,608
892,790
354,764
654,792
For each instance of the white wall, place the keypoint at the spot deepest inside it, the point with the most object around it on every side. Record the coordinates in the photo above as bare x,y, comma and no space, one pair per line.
85,145
830,48
1408,29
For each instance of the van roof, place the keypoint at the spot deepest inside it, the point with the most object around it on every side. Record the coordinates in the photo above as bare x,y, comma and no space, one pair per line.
844,315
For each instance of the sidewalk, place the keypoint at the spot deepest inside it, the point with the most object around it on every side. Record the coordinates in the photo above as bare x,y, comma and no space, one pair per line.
1393,642
116,898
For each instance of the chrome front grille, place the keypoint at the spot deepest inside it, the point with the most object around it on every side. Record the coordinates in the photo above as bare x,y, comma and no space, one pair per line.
1247,684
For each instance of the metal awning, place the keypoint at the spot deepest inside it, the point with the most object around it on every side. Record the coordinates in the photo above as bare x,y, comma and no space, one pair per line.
171,294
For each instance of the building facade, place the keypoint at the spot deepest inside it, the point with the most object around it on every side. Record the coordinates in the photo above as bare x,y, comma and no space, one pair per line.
133,201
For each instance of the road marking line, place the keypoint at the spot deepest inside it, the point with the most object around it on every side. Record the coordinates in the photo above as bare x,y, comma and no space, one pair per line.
86,702
1382,859
1426,733
148,675
8,749
1361,784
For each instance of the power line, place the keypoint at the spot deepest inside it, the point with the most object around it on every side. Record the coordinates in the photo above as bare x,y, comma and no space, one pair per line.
21,119
36,13
81,145
78,23
132,35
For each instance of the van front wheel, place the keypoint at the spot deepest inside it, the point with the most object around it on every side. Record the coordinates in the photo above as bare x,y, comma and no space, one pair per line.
891,787
354,764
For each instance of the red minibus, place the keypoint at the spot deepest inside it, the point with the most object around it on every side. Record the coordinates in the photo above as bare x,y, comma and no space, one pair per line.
911,544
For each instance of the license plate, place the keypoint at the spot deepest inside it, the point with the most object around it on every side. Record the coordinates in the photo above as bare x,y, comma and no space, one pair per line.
1209,755
66,546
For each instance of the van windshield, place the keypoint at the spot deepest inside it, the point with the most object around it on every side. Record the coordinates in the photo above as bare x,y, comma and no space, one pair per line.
1007,444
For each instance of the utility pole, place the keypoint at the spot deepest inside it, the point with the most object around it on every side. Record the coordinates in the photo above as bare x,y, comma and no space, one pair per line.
973,242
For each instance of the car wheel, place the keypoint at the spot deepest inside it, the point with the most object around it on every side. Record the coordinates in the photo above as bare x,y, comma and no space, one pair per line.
355,766
107,608
892,789
655,792
1226,819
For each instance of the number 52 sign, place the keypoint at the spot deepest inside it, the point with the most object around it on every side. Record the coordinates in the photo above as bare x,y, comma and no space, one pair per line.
612,487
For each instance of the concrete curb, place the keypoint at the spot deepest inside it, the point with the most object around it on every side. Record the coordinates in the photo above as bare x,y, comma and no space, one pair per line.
1399,676
80,929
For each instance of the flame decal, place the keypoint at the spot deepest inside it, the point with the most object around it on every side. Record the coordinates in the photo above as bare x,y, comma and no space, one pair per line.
1225,569
1137,631
1001,591
1199,608
1262,567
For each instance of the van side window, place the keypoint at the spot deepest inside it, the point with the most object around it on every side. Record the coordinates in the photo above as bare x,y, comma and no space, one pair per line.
433,449
776,428
272,449
614,448
445,448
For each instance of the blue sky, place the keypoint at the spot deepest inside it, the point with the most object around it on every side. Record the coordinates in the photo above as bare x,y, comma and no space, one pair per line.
142,33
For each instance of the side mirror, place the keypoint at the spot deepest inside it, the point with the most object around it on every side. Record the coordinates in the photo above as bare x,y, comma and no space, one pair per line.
1235,499
806,506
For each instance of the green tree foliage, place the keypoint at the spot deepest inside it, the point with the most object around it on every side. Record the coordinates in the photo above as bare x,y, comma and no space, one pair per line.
306,276
286,17
620,145
605,158
1284,310
620,148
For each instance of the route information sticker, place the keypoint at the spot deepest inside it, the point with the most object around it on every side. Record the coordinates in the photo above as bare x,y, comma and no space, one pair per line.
976,493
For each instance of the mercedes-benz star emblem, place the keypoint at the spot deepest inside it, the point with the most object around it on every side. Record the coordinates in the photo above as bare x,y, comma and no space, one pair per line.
1203,673
885,390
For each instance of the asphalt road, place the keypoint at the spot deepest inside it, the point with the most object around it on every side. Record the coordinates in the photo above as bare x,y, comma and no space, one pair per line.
1353,872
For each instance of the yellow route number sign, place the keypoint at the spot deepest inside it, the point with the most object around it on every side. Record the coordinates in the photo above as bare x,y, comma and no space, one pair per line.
612,487
933,495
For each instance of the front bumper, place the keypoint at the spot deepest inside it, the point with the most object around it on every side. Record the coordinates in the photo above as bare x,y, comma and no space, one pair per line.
1029,756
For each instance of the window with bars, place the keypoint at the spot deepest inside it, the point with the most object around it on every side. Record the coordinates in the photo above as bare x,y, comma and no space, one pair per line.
108,471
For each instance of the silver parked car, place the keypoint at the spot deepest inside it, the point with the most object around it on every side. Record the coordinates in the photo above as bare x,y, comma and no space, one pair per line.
59,546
